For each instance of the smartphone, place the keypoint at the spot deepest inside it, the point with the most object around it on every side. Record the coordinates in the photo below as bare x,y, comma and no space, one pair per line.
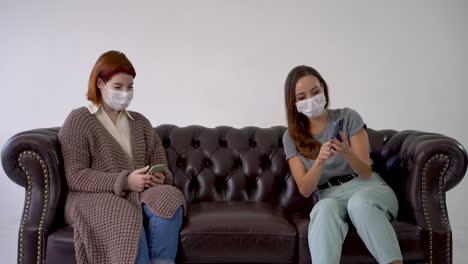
156,168
337,126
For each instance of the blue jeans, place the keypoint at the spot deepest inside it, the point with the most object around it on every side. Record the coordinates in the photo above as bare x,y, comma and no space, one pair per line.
159,237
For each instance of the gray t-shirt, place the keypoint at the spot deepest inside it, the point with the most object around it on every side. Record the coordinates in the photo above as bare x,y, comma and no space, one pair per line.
335,166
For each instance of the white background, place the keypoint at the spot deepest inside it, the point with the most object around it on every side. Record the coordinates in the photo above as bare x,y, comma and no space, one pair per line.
400,64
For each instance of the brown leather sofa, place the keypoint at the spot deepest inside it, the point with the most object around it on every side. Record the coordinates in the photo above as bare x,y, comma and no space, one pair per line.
244,206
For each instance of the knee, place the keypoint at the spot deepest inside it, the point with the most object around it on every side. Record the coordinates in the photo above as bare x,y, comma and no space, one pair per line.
175,222
325,208
359,205
179,215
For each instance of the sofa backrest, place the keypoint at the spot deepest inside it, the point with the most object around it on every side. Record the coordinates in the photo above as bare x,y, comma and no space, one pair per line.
231,164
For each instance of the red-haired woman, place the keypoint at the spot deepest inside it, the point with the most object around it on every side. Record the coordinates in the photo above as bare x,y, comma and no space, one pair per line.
119,212
341,171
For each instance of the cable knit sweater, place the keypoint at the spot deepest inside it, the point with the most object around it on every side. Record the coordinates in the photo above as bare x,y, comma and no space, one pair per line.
106,219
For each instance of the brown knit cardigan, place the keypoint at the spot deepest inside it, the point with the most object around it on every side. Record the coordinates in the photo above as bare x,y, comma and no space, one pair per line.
107,220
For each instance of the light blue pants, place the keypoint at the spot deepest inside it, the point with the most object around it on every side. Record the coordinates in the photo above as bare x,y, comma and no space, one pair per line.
159,237
370,205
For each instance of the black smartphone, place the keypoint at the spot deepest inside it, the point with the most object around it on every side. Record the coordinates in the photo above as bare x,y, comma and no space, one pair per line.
337,126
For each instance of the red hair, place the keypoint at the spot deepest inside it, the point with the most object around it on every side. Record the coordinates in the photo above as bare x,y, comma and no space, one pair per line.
107,65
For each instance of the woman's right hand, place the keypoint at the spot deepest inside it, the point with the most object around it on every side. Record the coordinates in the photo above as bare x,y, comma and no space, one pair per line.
325,153
138,179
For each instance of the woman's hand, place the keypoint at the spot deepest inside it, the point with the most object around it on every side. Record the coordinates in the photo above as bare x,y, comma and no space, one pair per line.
325,153
138,180
340,147
156,178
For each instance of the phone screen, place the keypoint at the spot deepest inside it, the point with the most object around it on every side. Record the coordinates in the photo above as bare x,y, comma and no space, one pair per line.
157,168
337,126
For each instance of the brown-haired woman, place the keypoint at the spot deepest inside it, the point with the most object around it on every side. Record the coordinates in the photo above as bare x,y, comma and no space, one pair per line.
340,168
119,213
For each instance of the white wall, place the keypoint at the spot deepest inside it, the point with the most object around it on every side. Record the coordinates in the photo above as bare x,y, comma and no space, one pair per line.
401,64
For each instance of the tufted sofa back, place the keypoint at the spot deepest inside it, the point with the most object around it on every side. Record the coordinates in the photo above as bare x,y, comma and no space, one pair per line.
230,164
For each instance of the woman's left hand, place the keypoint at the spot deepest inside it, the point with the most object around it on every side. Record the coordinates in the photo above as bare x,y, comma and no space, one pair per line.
156,178
340,147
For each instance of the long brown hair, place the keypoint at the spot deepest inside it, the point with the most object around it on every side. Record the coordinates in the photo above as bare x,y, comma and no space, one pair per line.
298,124
107,65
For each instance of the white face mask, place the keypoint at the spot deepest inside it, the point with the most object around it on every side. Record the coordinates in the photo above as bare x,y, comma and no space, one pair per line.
117,100
312,107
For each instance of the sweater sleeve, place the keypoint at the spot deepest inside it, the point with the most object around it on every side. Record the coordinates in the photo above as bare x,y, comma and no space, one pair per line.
158,156
157,153
77,161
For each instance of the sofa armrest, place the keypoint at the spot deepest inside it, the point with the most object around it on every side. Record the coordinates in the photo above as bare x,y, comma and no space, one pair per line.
428,165
32,159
